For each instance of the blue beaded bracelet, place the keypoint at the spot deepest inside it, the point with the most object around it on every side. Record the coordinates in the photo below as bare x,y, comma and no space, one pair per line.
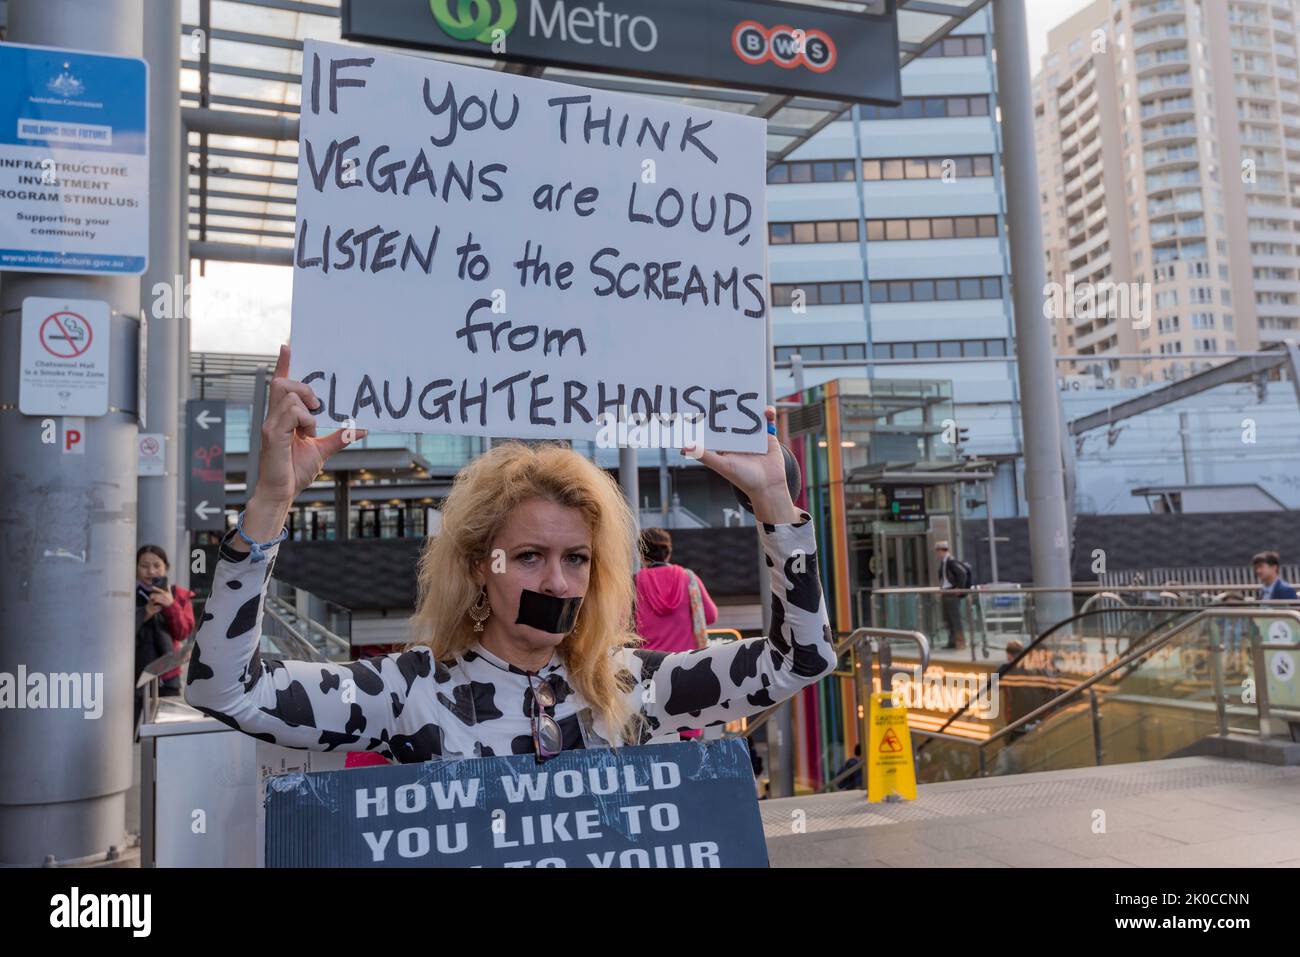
258,549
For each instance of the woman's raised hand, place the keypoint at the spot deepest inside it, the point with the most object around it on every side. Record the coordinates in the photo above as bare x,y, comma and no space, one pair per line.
761,476
292,455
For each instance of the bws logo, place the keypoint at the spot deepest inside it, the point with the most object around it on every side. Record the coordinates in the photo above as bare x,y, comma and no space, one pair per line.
475,19
787,47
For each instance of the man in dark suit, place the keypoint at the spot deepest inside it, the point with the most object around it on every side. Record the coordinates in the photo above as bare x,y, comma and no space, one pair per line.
1268,572
953,582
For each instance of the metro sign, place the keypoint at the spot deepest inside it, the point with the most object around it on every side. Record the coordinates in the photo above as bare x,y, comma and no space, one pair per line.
767,45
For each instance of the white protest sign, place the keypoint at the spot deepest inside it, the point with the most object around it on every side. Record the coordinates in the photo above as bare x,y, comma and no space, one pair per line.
486,254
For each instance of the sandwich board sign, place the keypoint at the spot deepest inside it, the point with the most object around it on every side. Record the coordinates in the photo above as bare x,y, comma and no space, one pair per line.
685,804
480,253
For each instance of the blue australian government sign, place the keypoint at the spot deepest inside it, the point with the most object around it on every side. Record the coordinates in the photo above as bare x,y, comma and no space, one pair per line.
74,161
667,805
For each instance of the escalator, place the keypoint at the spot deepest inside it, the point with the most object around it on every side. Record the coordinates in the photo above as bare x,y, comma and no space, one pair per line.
1117,685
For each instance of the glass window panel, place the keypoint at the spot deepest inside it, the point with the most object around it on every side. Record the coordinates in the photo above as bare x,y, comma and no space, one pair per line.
962,167
950,350
900,292
983,165
941,228
880,292
927,350
923,290
824,172
805,233
781,295
945,289
828,232
895,229
934,168
957,106
988,225
979,106
915,168
875,229
968,288
780,173
913,109
832,352
965,227
893,169
871,170
973,348
801,172
829,294
855,350
852,292
996,347
954,46
848,230
936,106
992,288
844,170
919,229
904,350
781,233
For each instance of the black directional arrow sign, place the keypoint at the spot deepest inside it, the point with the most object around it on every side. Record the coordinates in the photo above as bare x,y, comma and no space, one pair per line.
205,501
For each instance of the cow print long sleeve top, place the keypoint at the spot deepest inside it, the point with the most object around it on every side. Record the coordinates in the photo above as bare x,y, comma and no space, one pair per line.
409,707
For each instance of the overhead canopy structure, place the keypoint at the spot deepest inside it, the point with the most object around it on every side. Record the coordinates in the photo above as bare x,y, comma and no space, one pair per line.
241,64
1283,355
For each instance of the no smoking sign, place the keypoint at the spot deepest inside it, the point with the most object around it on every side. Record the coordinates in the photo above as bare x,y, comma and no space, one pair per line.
65,357
66,335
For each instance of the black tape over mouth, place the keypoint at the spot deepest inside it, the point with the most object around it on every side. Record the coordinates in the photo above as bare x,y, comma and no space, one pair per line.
555,616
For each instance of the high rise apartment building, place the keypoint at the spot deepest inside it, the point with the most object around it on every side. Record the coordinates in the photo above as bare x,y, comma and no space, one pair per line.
1168,136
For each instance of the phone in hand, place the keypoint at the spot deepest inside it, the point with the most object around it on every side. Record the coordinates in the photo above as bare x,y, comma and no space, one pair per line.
159,582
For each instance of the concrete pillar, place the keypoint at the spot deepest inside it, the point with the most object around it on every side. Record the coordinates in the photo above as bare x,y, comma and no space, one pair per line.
162,287
630,480
342,504
1049,534
68,524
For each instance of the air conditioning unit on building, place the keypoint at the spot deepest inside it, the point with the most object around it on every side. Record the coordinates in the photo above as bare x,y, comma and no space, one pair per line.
1077,383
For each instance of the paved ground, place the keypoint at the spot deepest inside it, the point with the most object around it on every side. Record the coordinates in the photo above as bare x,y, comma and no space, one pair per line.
1183,812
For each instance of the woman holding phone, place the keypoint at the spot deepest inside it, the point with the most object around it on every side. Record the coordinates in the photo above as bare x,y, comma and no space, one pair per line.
164,617
522,639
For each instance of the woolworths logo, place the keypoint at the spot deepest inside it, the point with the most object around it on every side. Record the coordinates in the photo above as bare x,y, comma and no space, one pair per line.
481,20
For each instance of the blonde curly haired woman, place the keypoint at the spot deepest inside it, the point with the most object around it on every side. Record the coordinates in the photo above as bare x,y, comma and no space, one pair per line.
522,640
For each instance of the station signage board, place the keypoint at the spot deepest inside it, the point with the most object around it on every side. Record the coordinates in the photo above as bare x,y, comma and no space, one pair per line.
205,496
798,49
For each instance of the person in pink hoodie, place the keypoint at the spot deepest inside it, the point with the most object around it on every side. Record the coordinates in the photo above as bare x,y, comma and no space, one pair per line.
664,614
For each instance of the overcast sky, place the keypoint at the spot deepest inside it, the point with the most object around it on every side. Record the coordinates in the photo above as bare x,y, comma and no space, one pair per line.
244,308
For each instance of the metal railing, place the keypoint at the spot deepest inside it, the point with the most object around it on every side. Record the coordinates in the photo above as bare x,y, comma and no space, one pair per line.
312,633
1143,650
865,647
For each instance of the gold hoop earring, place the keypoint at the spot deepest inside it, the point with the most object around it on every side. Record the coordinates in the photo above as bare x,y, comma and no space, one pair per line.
480,610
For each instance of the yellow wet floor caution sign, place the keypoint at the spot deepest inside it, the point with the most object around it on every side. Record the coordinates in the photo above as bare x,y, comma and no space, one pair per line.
891,775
